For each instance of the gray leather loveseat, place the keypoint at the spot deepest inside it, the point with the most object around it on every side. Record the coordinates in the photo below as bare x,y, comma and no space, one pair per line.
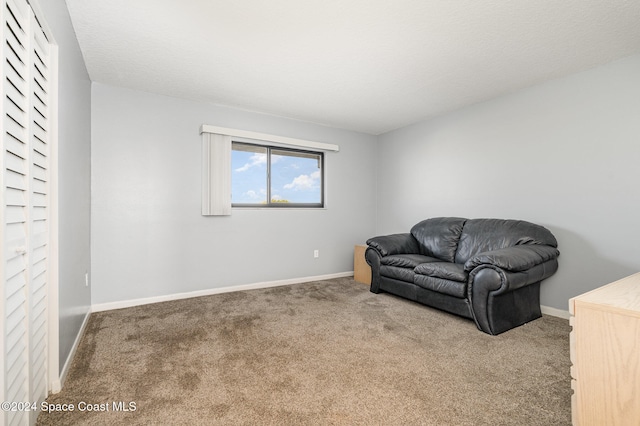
485,269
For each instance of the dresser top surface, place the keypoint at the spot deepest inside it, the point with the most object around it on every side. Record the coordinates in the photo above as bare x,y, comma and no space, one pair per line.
623,294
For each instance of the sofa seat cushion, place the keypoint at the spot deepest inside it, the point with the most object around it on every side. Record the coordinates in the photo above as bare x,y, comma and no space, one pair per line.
398,273
442,277
407,260
444,270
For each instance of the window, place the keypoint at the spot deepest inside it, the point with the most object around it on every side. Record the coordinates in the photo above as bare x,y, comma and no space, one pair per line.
268,176
268,170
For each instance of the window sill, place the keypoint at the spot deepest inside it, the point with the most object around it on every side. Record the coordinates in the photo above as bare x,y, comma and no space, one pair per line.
278,208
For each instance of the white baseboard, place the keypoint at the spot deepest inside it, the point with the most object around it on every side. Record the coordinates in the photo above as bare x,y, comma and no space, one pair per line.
56,386
177,296
554,312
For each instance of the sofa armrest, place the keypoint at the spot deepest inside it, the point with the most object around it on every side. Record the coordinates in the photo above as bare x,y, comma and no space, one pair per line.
513,259
394,244
492,294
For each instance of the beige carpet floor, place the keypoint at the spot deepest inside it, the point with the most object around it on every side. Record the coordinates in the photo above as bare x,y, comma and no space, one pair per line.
320,353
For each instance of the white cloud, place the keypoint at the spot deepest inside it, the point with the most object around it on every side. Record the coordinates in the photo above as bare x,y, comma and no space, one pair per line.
304,182
255,194
255,160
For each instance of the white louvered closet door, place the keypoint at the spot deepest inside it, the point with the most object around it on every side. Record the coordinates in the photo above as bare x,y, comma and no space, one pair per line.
25,176
39,191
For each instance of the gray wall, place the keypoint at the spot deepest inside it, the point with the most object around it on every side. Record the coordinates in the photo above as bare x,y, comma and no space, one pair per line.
74,175
148,236
564,154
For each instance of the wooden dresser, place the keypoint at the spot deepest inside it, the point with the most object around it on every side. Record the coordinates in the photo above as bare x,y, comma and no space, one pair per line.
605,354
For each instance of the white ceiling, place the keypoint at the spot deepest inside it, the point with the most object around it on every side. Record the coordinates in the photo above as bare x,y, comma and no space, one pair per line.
365,65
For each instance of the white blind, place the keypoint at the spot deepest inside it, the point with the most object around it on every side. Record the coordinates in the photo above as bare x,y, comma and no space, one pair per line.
216,174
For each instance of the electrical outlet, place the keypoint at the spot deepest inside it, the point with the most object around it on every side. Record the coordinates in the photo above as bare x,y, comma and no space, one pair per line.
316,254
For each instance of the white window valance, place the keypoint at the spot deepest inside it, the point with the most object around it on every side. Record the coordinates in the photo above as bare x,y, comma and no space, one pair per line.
274,139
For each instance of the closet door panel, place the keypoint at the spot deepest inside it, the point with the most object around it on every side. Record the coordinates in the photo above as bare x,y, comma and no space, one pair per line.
24,213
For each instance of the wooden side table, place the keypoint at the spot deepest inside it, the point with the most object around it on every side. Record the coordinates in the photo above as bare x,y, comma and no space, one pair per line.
361,269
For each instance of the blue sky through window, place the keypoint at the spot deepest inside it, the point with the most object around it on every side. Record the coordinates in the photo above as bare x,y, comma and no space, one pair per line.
295,176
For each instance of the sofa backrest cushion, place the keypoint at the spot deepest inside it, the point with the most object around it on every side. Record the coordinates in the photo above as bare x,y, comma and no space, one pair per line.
480,235
439,236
